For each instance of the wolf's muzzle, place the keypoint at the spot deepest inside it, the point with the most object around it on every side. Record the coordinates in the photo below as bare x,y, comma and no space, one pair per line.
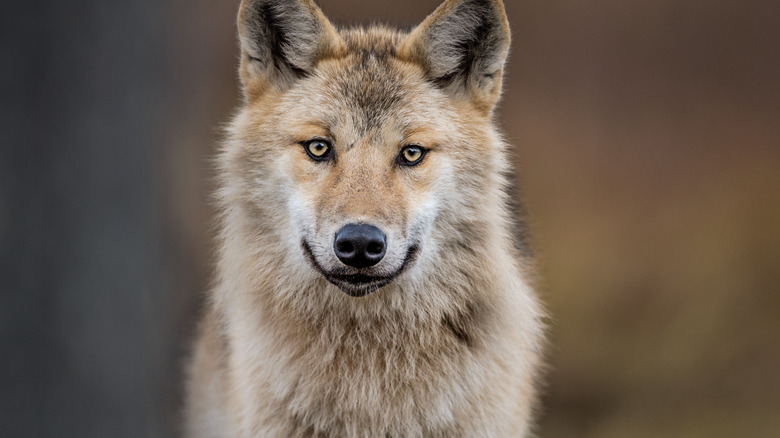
356,282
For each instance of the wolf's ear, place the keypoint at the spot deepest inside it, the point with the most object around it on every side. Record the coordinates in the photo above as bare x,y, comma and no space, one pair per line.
281,41
463,46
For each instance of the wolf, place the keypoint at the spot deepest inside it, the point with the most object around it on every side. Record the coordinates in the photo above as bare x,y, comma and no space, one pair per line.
369,282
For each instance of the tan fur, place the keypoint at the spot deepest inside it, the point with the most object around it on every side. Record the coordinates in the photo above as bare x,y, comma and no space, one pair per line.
451,347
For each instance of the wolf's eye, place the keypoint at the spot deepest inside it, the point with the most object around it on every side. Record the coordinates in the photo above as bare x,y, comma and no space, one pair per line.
317,150
411,155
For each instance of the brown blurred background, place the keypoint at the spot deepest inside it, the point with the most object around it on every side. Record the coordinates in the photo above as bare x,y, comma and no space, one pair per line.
647,139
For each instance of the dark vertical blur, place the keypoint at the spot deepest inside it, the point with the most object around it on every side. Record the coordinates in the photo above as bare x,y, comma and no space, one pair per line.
108,109
646,138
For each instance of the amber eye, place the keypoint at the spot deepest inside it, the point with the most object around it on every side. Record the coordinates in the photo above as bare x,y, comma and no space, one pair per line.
317,149
411,155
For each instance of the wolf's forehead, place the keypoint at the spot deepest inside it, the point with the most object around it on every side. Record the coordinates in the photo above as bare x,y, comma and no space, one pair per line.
369,83
371,88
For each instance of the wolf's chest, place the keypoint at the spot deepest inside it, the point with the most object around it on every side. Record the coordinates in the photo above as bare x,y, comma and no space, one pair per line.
390,386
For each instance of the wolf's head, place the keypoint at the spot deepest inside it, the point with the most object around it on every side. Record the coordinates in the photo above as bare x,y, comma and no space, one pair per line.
360,153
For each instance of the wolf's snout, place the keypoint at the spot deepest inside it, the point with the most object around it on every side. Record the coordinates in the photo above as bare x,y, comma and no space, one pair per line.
360,246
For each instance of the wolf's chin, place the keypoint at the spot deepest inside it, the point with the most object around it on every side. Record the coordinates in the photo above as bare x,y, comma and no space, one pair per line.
357,290
359,285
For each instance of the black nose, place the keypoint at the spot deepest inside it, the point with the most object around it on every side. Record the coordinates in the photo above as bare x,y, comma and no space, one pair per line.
360,246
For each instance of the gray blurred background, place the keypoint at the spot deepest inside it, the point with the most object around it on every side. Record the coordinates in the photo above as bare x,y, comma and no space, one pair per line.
647,140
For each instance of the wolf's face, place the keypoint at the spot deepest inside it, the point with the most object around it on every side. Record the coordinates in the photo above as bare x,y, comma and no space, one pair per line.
366,144
356,142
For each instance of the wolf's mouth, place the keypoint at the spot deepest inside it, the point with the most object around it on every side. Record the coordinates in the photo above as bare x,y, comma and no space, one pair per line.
358,284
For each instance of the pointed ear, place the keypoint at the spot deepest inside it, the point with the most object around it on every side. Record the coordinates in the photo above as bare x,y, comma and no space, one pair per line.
281,41
463,46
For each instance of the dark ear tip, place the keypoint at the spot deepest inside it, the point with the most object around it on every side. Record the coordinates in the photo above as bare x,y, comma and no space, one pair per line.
463,46
281,40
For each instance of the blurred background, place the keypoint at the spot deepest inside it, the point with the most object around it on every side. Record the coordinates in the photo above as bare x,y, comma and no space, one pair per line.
647,140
